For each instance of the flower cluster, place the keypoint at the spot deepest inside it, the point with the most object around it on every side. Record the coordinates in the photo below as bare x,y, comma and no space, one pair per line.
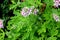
56,17
27,11
57,3
1,24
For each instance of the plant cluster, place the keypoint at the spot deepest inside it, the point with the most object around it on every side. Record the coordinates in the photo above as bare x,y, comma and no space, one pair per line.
30,20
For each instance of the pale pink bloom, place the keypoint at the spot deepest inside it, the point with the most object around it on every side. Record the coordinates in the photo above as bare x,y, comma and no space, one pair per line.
26,11
56,3
56,17
59,0
1,24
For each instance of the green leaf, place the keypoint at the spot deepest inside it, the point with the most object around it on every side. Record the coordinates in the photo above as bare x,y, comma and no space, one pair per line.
52,38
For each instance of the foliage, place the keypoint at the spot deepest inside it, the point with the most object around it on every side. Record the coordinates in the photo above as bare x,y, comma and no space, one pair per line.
33,27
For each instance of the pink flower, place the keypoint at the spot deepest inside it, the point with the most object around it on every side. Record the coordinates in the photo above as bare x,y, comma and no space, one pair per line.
1,24
56,3
26,11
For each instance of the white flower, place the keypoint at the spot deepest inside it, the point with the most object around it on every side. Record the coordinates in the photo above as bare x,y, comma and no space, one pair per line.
56,17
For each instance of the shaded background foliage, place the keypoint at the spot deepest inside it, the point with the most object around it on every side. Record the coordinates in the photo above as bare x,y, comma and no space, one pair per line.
17,27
